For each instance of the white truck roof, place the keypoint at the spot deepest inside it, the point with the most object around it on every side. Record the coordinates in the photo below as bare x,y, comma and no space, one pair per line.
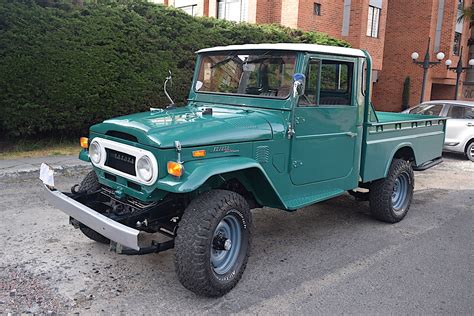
314,48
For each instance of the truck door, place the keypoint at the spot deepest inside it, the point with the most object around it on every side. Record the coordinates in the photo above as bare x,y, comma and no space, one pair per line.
324,144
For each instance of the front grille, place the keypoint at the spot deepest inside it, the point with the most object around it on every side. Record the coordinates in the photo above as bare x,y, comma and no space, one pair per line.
120,161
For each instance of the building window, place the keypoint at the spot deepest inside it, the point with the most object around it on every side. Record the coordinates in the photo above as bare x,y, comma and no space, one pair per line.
373,21
317,8
457,43
232,10
190,9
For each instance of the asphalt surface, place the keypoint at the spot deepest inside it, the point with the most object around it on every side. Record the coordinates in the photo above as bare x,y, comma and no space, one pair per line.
327,258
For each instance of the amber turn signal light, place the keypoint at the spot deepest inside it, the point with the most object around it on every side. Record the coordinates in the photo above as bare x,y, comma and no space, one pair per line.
199,153
84,142
175,168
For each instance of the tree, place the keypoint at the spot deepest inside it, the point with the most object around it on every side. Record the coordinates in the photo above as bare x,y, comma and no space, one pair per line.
406,93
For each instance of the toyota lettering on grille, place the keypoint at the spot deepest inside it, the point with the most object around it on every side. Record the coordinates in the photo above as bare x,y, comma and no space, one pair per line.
123,158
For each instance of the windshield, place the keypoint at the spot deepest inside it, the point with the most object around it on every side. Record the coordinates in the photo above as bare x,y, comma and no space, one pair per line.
265,74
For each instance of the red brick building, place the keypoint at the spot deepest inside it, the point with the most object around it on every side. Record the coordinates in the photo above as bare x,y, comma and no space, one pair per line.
389,30
409,25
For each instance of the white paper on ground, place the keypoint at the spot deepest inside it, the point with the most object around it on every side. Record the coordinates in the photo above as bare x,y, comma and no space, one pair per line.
47,175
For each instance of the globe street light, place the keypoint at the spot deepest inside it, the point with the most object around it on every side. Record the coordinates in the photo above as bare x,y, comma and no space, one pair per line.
459,69
426,64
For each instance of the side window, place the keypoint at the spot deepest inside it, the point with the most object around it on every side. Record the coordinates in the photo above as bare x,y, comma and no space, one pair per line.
469,113
434,109
311,91
328,83
458,112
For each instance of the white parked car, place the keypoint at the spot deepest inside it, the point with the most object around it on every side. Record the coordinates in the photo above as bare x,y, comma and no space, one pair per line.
459,127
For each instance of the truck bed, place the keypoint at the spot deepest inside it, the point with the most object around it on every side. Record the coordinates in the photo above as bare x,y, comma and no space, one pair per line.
387,132
392,117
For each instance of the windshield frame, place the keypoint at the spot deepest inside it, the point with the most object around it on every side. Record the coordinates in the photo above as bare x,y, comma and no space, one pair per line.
199,60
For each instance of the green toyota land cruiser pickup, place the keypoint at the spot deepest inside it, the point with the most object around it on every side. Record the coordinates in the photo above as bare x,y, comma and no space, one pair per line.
276,125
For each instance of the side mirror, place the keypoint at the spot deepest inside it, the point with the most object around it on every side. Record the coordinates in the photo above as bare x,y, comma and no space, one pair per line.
299,81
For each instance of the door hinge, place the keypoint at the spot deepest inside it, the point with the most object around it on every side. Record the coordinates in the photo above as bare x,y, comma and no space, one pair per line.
299,120
297,163
291,131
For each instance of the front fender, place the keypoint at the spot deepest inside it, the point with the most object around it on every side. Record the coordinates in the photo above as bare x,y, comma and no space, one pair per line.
197,172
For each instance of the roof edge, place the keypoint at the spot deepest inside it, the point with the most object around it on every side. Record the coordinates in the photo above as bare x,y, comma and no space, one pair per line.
336,50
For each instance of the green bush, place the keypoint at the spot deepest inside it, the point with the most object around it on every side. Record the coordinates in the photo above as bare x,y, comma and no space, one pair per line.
406,94
64,68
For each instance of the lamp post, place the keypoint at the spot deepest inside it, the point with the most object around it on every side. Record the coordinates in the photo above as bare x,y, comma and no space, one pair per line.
459,69
426,64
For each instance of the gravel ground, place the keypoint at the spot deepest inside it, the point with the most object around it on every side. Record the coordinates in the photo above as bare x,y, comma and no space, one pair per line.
327,258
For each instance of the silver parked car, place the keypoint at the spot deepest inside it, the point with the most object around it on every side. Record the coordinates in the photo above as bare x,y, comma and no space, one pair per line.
459,127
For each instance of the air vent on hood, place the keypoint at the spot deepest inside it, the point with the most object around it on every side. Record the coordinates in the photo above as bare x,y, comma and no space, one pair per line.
122,135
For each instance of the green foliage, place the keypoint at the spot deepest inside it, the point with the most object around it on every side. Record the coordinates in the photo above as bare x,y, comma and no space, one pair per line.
406,94
65,67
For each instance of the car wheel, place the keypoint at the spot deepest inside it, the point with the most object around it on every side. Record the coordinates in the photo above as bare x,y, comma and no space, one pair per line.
213,243
90,184
470,151
390,198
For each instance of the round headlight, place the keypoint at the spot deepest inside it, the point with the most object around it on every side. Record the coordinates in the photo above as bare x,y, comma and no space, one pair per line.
94,152
145,168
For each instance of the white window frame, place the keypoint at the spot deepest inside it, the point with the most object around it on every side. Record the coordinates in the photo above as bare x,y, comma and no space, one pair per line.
243,15
193,9
373,21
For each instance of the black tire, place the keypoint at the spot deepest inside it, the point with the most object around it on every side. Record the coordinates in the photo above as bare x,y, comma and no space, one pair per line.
389,201
90,184
359,196
92,234
196,240
470,151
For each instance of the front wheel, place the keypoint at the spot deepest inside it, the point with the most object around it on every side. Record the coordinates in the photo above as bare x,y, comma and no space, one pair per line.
90,184
470,151
390,198
213,243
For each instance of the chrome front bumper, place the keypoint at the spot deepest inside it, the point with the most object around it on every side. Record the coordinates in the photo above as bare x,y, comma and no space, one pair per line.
105,226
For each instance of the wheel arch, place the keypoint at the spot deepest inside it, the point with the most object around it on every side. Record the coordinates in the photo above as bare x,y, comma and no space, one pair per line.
469,142
230,173
402,151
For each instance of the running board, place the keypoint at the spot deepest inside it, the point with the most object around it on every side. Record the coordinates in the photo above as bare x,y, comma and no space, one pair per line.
428,164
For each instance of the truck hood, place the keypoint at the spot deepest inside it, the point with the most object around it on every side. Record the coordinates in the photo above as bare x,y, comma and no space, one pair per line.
161,128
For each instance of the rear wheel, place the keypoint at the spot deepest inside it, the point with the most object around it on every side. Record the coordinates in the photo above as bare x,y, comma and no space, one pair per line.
470,151
213,243
90,184
390,198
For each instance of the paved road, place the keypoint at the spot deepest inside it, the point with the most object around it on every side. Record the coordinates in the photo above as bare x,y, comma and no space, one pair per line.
328,258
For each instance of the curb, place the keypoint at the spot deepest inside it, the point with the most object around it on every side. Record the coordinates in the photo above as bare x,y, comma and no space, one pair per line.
34,171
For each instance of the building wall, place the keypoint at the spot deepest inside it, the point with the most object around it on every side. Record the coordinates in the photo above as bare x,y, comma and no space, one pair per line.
300,14
404,27
408,30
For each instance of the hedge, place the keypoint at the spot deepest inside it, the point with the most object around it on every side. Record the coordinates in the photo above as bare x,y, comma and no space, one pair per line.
64,68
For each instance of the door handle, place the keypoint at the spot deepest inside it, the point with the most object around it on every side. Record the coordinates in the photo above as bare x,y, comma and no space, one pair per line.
351,134
470,124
